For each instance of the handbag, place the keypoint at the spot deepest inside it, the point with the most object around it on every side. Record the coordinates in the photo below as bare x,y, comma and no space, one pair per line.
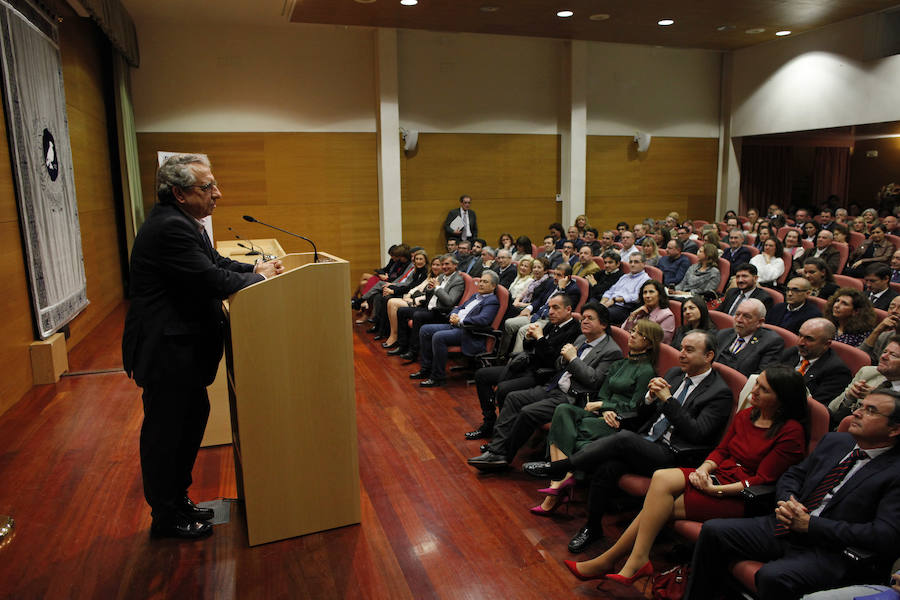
671,584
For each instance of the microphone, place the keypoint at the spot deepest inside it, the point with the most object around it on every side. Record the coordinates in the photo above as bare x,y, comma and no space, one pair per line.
250,219
252,252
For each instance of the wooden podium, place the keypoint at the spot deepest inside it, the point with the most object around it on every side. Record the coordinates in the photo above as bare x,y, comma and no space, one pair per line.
292,397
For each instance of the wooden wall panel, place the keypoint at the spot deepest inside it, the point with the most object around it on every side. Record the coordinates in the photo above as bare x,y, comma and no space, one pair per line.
675,174
869,174
84,71
323,186
513,181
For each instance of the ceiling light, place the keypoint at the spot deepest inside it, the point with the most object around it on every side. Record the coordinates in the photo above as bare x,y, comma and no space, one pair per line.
409,2
564,14
755,30
783,33
598,17
725,28
665,22
487,8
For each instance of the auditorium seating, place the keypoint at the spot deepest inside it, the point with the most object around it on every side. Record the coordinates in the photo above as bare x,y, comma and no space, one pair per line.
852,357
789,337
654,273
721,320
850,282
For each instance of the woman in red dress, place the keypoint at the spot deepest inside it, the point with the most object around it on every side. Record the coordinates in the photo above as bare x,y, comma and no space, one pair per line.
760,444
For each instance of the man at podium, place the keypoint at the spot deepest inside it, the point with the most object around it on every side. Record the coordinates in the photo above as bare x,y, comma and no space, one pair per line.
173,337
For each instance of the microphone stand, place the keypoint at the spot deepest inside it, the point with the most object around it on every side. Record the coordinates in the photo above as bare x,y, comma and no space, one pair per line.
250,219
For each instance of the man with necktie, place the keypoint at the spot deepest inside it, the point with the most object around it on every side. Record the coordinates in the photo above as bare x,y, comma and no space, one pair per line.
824,373
461,223
746,281
749,347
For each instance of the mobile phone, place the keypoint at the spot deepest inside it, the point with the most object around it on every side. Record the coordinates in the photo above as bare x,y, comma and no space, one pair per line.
714,479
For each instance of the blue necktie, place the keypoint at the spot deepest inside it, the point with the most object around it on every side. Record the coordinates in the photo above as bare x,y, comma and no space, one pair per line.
659,428
555,383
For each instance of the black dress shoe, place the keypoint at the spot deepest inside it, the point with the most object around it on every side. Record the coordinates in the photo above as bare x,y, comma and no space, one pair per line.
378,337
489,462
181,528
539,469
420,375
193,512
584,538
389,346
409,357
397,351
483,448
431,383
482,433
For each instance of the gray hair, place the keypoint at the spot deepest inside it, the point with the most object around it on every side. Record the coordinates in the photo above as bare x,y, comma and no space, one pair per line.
757,305
739,232
176,171
489,250
502,250
451,258
495,279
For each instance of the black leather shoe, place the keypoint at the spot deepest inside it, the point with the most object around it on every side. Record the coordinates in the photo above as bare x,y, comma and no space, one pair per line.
387,346
378,337
181,528
489,462
431,383
539,469
482,433
419,375
397,351
193,512
409,357
584,538
483,448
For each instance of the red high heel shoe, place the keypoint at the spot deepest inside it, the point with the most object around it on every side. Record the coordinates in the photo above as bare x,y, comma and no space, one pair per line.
556,491
573,566
644,571
560,500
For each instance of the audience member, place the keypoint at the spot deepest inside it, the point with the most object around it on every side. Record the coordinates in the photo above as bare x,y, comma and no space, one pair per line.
581,223
796,310
763,233
877,284
523,277
826,251
852,315
745,282
820,278
506,242
702,277
846,493
591,241
628,247
607,241
523,248
825,374
461,223
654,306
540,274
650,251
550,252
569,255
687,244
413,298
792,245
673,265
603,280
434,339
585,265
895,267
573,234
694,315
876,249
769,262
557,233
622,297
516,327
640,232
749,347
736,253
581,368
810,231
869,378
504,267
883,332
890,224
416,274
826,219
464,254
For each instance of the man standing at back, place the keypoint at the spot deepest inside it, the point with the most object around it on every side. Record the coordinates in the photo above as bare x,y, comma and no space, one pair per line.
174,336
460,223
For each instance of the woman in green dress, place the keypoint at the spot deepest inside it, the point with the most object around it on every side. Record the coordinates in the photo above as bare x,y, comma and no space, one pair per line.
625,386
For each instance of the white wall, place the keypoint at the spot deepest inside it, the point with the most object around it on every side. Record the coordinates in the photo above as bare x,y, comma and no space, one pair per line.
663,91
253,78
815,80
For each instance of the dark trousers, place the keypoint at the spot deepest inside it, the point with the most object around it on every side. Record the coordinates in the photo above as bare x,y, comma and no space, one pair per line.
618,314
522,413
611,457
506,381
793,566
435,339
408,337
174,422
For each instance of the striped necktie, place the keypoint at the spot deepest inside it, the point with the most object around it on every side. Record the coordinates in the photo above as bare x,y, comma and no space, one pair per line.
804,365
738,345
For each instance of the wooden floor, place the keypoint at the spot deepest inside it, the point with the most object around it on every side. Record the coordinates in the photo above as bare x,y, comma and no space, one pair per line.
432,527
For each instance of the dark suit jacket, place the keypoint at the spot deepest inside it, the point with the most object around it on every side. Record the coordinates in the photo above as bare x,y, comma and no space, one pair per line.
826,378
174,330
782,317
473,224
542,310
545,351
701,421
884,301
737,257
732,294
865,511
831,256
761,350
479,317
588,374
507,276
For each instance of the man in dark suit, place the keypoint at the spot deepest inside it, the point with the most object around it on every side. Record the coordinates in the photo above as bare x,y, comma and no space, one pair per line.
605,279
550,252
505,268
581,367
173,338
688,409
467,260
846,493
878,285
792,314
516,327
736,253
434,339
826,251
687,244
468,228
825,374
895,267
541,349
748,347
746,282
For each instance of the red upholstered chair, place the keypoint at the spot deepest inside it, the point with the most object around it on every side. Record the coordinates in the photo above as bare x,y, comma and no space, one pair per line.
749,239
691,257
675,307
807,245
789,337
819,302
777,297
788,261
721,320
469,289
698,224
534,249
491,339
895,240
896,287
654,273
855,239
850,282
599,261
843,252
621,338
844,425
783,230
753,250
882,314
724,274
625,268
668,358
852,357
584,288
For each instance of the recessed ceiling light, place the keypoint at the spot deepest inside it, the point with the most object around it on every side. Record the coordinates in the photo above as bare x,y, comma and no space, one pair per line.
409,2
783,33
564,14
488,8
725,28
599,17
755,30
665,22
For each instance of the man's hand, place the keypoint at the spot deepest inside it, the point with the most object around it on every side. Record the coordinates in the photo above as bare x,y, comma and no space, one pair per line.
859,390
659,388
562,283
526,312
793,514
889,322
534,331
591,280
569,352
269,269
454,319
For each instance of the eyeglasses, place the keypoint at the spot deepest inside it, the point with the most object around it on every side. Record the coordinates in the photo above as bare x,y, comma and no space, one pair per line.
868,409
205,188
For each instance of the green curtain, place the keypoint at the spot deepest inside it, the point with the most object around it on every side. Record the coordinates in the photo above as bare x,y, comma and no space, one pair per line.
128,149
